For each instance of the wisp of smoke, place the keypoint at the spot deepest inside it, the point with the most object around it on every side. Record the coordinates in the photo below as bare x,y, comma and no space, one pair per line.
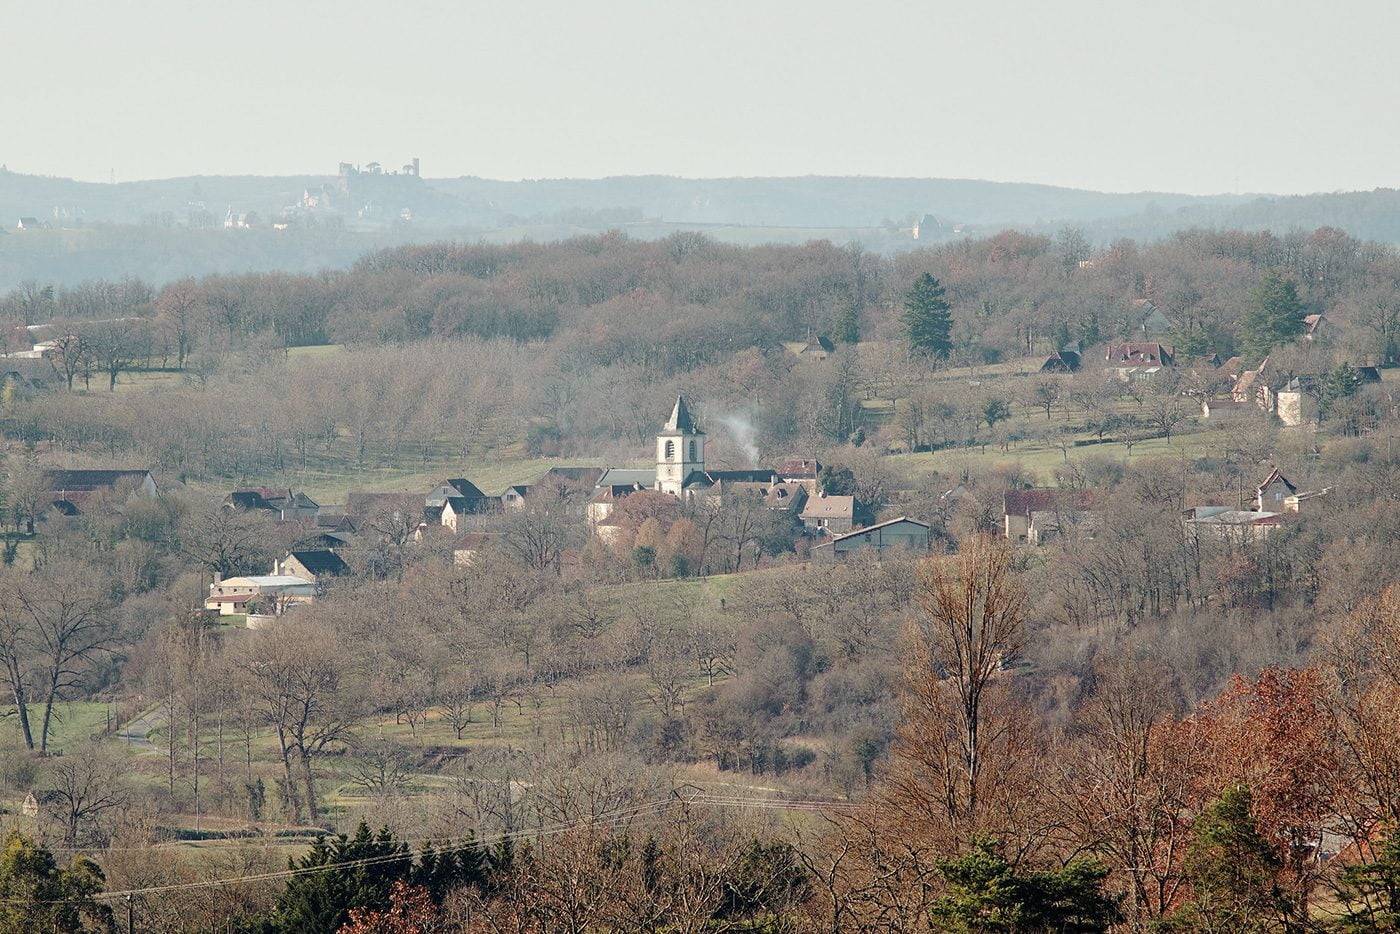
743,432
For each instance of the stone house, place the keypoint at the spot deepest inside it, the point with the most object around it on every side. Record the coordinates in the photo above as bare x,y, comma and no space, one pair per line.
316,565
834,515
269,594
801,470
1235,525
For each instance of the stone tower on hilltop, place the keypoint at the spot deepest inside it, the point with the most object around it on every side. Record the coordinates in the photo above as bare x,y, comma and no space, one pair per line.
680,449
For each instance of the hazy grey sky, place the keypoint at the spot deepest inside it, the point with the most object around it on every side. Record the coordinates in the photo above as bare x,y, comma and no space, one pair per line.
1282,95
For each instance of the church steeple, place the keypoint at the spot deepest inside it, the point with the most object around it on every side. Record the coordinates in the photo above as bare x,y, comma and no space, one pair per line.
680,419
680,449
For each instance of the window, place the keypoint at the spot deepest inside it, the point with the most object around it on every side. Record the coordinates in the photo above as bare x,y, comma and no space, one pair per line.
692,449
670,450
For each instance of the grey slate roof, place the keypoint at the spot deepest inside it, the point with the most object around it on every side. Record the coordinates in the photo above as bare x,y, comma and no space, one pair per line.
629,476
704,478
869,529
244,500
681,422
322,561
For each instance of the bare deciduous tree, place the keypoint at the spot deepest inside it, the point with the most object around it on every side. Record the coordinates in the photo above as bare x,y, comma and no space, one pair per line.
60,616
297,676
955,766
85,784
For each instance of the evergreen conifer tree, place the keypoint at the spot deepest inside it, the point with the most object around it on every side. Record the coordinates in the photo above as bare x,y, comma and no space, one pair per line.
927,320
1275,316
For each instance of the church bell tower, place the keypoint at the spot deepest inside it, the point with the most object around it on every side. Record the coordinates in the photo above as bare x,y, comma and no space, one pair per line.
680,449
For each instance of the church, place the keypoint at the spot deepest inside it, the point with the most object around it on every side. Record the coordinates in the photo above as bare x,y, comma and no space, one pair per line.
680,471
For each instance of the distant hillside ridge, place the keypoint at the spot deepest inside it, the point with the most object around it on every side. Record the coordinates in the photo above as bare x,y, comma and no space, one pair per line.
818,201
808,201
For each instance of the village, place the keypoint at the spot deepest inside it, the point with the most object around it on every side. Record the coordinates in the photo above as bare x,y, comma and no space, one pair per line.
811,514
458,519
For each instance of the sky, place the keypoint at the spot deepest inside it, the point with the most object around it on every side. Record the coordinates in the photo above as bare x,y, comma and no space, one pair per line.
1116,95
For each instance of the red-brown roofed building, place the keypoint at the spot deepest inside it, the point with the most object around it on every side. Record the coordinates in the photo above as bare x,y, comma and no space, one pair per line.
1018,506
1139,353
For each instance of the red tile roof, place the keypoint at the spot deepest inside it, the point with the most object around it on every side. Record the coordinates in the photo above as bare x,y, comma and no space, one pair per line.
1025,502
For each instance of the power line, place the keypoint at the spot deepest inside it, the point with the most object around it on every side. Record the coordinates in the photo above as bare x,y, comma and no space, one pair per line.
605,820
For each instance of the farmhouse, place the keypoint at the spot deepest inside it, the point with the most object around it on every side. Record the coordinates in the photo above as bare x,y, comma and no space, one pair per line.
1150,322
70,490
606,498
787,496
834,515
1224,408
265,594
801,470
316,565
1029,515
464,496
1317,328
1139,353
1061,361
1137,360
1236,525
1271,494
286,505
813,348
1275,499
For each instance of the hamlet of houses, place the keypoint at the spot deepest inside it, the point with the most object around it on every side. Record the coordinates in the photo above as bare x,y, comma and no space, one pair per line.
1030,516
459,514
458,508
1222,389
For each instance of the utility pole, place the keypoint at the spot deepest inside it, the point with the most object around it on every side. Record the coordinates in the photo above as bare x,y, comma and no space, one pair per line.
130,916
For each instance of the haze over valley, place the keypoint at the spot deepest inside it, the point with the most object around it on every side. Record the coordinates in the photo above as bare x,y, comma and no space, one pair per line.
897,468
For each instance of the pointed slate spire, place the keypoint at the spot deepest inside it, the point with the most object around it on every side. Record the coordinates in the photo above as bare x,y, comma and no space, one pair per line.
681,421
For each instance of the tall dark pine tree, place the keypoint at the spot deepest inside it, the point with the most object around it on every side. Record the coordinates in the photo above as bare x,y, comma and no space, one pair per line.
1232,869
343,873
927,319
848,324
1275,317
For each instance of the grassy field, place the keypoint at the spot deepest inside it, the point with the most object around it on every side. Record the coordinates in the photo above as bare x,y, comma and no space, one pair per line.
1039,458
74,722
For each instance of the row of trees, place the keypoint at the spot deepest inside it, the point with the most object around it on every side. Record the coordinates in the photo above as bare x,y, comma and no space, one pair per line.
1008,295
